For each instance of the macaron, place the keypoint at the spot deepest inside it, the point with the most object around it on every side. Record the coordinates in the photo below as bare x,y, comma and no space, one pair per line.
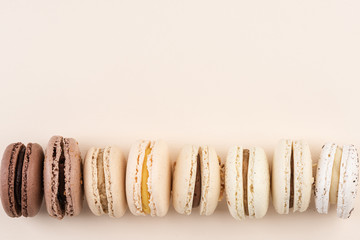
63,186
291,176
21,179
247,182
148,178
104,181
337,179
196,180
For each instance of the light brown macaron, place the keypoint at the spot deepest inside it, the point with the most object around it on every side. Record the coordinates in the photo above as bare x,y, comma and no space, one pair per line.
63,184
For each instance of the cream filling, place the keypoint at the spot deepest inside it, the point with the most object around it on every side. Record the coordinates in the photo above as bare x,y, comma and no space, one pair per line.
246,154
107,174
145,195
101,180
335,176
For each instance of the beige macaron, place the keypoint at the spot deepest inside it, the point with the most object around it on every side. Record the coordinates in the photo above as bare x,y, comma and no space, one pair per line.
148,178
196,180
291,176
104,181
247,182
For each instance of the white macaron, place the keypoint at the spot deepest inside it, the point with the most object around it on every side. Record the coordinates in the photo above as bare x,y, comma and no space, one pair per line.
247,182
337,179
291,176
196,180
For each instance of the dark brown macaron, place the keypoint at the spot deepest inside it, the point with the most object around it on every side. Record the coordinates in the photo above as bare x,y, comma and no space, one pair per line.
21,179
63,183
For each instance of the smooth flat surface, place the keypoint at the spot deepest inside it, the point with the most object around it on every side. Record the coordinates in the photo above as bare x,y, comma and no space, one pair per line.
188,72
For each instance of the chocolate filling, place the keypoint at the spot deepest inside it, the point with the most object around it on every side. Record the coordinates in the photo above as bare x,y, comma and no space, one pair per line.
246,154
291,204
18,178
61,190
197,190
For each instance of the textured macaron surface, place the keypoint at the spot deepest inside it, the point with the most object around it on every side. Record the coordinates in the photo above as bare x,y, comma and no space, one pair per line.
210,180
63,177
323,177
148,193
21,183
184,178
291,176
104,181
337,179
348,182
247,182
9,180
32,183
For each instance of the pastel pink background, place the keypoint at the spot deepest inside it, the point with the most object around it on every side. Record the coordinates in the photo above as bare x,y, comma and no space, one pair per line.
203,72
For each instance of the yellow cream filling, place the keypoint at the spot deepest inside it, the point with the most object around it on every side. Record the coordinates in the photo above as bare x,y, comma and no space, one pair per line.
335,176
145,195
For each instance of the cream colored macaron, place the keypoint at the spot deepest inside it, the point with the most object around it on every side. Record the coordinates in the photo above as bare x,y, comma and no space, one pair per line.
247,182
291,176
148,178
337,179
104,181
196,180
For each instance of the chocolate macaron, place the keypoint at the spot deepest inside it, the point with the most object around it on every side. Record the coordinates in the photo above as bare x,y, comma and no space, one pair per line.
63,184
21,179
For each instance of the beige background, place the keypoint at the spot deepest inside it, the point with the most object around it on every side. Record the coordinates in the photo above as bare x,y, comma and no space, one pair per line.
204,72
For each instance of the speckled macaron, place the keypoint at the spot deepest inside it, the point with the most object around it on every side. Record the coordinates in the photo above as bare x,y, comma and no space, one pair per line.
337,179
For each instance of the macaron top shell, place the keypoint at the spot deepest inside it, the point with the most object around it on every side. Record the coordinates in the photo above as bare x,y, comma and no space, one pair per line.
32,187
113,187
258,183
234,182
302,175
210,180
348,182
281,176
8,171
158,180
184,179
63,154
323,177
